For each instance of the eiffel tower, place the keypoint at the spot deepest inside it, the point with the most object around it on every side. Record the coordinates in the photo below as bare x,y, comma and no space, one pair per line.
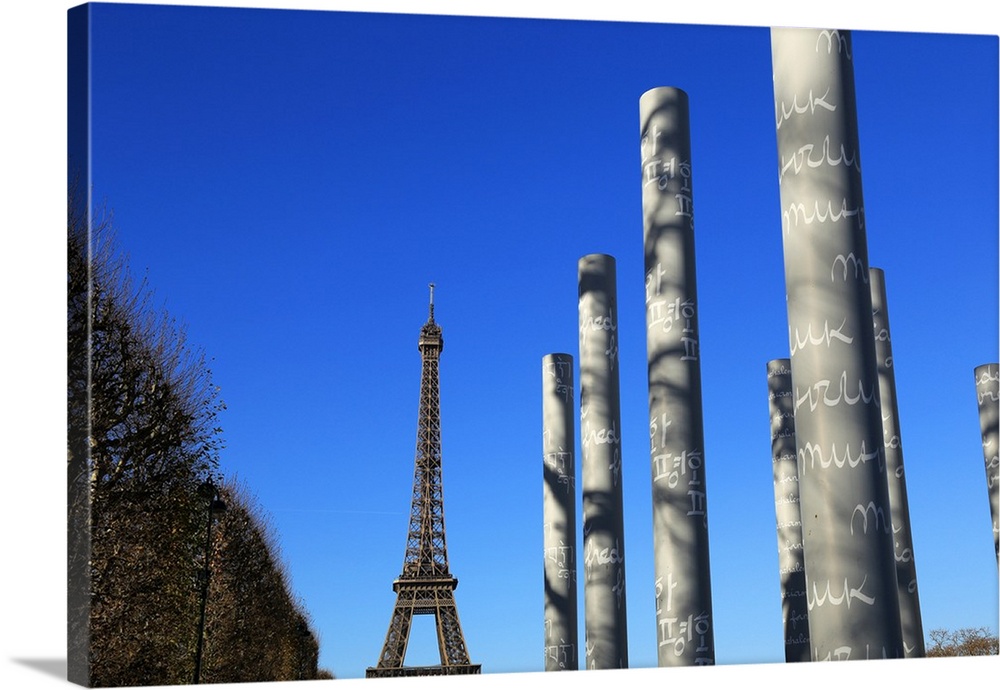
426,586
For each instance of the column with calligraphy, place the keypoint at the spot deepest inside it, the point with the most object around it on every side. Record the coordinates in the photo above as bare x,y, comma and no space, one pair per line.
906,569
791,563
685,634
843,490
988,394
559,512
600,436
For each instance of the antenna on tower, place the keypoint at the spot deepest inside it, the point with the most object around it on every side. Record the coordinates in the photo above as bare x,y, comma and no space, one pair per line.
431,318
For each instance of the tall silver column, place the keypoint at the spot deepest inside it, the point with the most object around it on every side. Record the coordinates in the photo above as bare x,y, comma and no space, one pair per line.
600,431
684,626
988,394
843,491
791,563
559,512
906,569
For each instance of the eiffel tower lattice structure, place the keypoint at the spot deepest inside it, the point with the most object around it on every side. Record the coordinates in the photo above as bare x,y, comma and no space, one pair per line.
426,586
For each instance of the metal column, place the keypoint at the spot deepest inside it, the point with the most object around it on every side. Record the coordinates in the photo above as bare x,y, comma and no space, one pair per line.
988,394
684,627
844,498
600,431
906,569
559,512
791,562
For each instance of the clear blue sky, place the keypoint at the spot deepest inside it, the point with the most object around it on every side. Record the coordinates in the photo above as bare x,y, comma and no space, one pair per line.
289,182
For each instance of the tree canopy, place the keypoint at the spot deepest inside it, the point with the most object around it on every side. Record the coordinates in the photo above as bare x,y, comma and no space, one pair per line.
963,642
143,438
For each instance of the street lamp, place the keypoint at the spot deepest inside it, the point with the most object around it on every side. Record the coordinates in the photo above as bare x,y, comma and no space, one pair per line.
215,505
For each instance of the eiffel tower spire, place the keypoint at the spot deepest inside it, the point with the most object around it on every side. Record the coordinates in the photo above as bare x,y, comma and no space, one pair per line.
426,585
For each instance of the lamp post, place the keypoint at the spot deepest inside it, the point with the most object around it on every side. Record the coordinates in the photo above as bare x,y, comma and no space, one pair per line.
215,505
